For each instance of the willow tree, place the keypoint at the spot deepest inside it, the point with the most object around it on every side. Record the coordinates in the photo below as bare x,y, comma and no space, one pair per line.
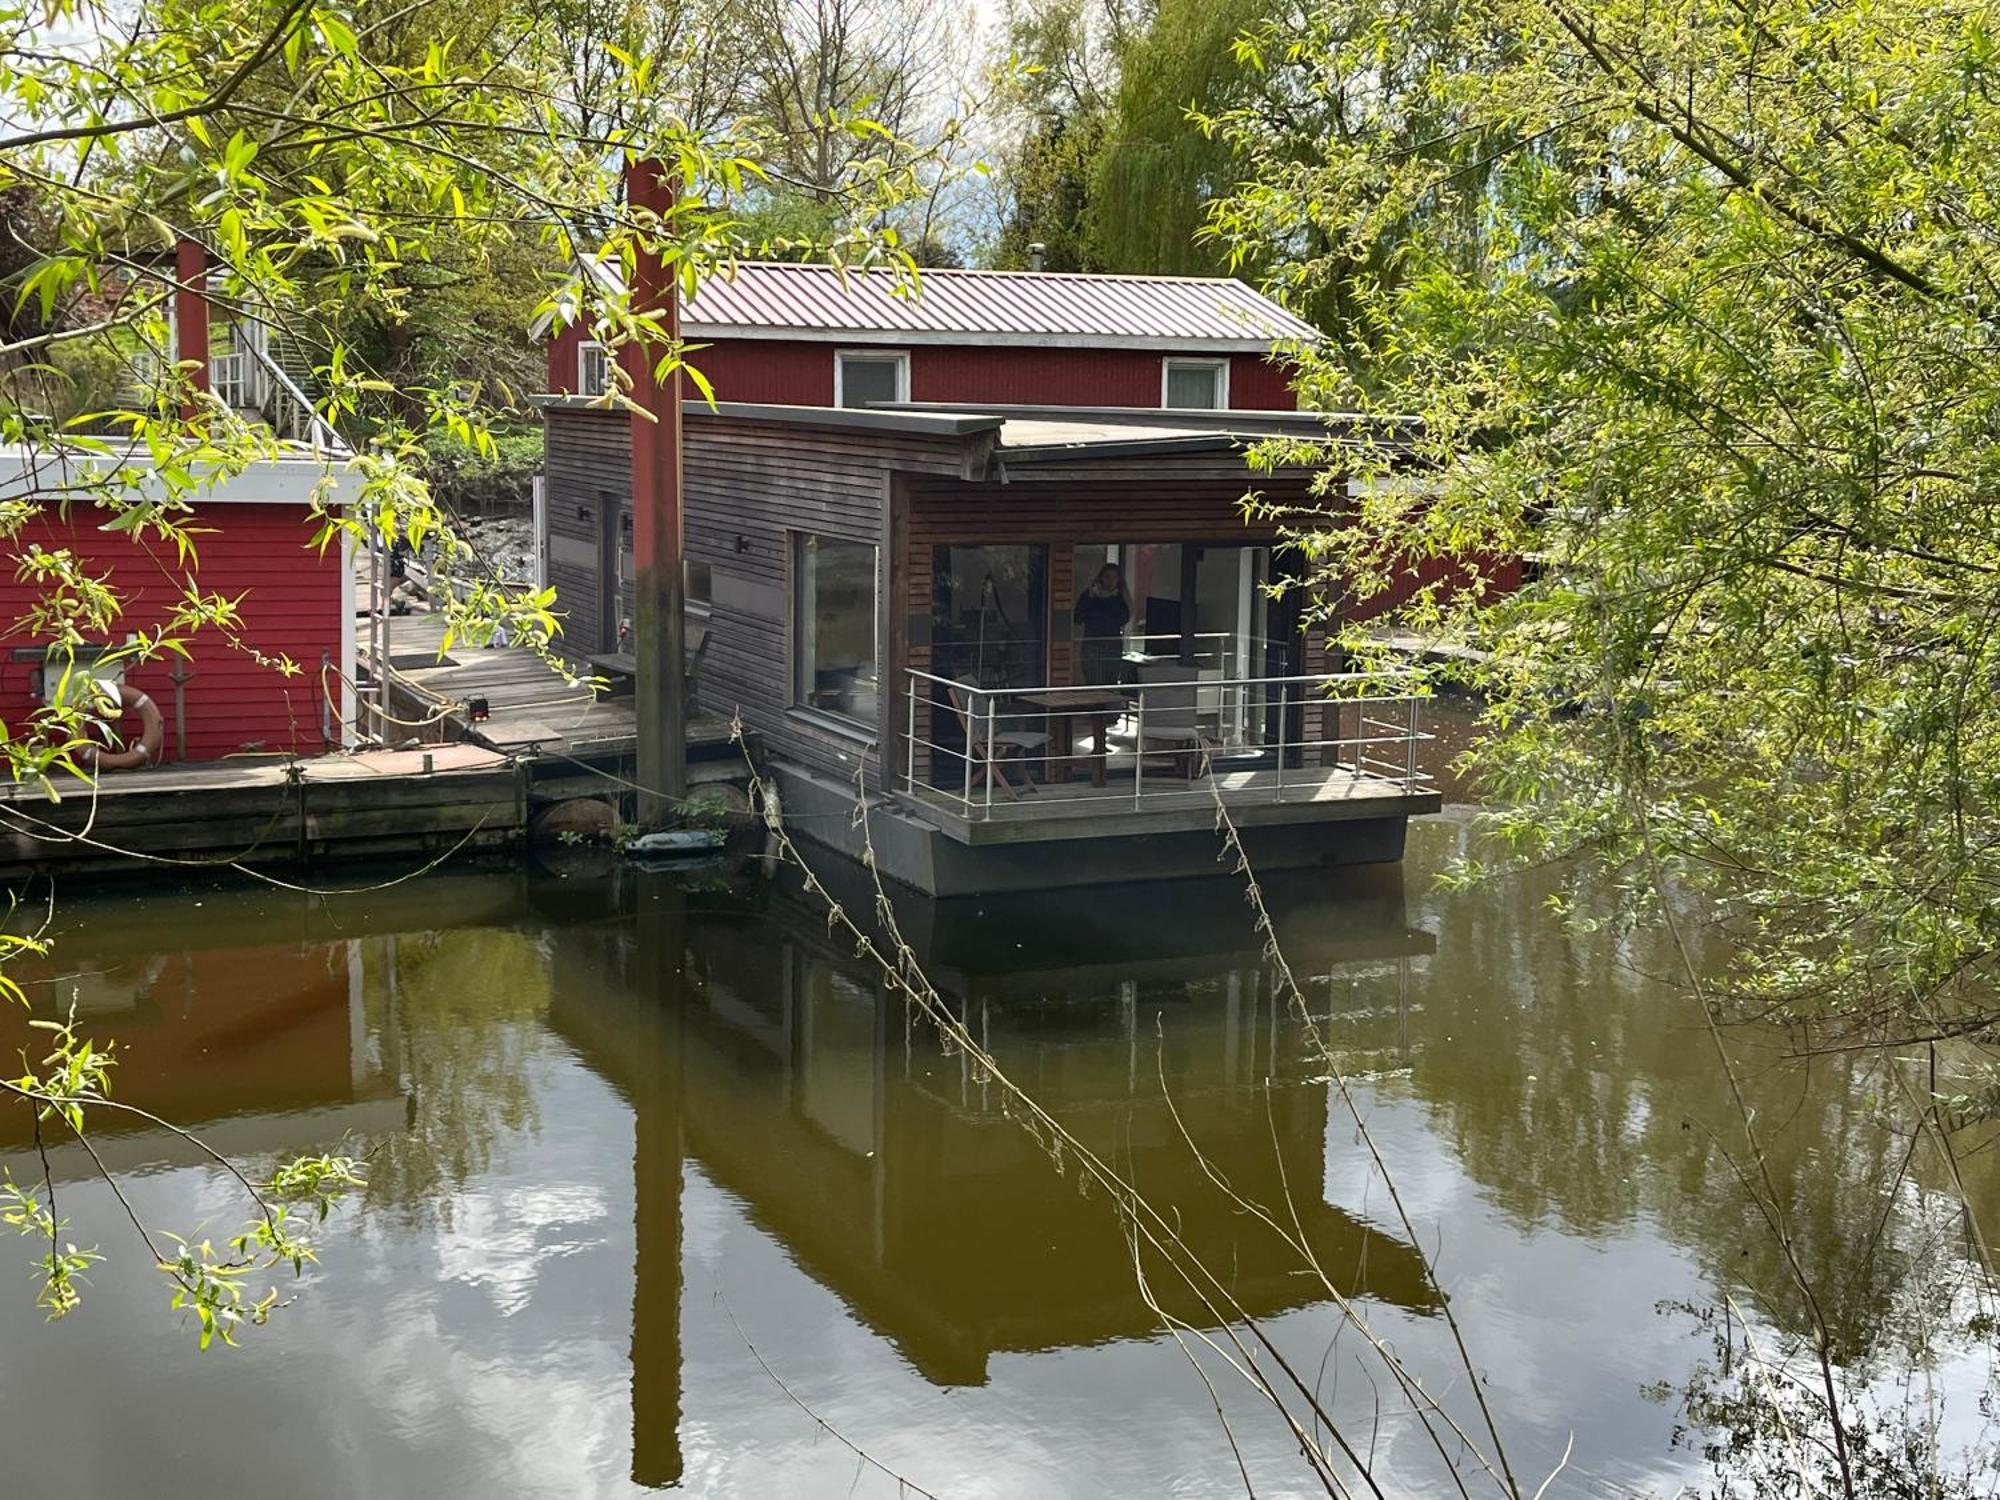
331,157
1696,304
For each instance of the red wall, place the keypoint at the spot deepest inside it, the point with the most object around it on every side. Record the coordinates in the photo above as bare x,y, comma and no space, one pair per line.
785,372
292,603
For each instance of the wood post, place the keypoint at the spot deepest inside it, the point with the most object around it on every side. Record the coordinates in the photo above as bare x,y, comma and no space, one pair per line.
658,626
191,314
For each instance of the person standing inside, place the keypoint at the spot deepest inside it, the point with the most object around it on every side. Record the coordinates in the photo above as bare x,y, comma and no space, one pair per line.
1103,610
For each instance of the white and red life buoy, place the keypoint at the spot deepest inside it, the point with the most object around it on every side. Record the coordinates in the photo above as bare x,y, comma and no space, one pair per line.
143,751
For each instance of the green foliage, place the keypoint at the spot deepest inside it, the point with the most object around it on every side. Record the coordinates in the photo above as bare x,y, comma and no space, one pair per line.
1695,307
463,475
1154,170
67,1090
395,192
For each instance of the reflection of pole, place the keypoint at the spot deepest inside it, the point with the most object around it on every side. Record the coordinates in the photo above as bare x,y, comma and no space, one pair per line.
657,1152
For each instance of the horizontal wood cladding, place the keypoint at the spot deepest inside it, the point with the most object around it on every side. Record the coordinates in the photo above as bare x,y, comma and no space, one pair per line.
292,603
1166,506
748,487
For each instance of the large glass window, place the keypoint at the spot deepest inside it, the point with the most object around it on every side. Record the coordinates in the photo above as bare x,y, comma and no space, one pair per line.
1196,384
834,625
863,378
988,610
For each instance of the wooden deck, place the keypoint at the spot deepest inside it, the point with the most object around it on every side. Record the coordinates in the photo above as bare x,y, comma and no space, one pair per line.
1165,803
529,707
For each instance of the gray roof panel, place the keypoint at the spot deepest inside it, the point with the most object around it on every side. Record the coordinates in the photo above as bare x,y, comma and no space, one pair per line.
777,300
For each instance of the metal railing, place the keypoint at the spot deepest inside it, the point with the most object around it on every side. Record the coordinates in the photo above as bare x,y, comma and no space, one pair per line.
1174,738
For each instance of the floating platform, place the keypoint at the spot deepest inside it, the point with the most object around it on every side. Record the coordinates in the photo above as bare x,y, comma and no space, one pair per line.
267,811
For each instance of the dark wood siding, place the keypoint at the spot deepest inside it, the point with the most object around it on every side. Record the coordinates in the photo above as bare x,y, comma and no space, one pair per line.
750,487
587,467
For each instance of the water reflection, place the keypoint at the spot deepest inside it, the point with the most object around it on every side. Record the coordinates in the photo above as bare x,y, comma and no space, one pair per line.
535,1062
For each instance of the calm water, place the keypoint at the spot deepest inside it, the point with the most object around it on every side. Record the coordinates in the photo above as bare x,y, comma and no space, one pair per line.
622,1136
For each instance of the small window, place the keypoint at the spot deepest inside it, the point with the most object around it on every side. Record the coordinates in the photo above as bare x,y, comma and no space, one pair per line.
866,377
697,584
593,369
1195,384
833,625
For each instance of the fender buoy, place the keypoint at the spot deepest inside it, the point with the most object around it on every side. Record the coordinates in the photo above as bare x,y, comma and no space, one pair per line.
145,750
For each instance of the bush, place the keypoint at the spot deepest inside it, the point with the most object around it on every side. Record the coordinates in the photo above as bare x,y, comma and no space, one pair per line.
468,481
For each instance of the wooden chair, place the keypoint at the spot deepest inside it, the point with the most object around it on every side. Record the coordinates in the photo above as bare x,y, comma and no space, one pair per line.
1171,721
989,756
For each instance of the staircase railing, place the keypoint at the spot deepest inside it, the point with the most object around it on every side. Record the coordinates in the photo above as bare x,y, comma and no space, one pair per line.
290,411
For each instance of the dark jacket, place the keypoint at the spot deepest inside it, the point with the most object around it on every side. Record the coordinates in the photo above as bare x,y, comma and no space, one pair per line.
1101,614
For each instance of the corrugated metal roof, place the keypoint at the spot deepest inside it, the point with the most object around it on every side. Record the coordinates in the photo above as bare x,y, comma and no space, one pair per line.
1206,314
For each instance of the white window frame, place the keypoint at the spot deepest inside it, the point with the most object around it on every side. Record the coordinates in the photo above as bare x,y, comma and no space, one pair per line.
1219,366
901,357
583,352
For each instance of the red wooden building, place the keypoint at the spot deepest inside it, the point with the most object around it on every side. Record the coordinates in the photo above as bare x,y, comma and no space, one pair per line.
254,534
810,335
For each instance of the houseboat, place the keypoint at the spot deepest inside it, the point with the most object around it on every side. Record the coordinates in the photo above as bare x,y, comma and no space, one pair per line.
1040,646
255,526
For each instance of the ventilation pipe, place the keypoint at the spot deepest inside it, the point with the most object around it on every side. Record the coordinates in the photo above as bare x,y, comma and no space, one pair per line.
1036,253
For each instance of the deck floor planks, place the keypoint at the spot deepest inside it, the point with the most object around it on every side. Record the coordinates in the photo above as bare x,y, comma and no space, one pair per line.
527,703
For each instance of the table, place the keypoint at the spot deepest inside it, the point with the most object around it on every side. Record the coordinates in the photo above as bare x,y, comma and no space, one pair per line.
1061,707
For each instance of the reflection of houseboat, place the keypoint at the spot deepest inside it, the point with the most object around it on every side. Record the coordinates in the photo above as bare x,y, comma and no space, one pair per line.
890,600
249,1027
891,1171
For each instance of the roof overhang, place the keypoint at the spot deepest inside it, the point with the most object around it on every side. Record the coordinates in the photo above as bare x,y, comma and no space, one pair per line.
54,473
954,424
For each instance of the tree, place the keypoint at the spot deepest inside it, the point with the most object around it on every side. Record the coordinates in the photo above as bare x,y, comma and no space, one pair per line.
1065,56
1692,305
341,165
1697,311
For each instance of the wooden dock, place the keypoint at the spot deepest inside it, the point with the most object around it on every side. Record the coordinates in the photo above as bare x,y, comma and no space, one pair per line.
266,811
447,783
530,710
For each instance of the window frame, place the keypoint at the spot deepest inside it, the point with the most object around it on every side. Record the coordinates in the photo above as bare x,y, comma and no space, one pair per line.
802,613
1217,365
899,357
584,349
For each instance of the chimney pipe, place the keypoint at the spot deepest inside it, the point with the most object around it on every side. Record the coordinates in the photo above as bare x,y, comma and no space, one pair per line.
1036,252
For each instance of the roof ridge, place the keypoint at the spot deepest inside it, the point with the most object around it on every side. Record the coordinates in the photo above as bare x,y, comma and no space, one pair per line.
923,272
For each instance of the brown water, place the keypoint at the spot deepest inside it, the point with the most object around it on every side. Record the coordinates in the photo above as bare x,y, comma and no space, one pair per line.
627,1141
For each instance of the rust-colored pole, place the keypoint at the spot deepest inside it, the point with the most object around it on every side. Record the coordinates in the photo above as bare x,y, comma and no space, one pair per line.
191,313
661,696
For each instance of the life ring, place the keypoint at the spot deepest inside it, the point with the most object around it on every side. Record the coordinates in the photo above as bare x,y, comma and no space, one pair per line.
145,750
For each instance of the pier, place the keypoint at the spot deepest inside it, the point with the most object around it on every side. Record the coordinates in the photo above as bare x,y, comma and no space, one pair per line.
478,741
